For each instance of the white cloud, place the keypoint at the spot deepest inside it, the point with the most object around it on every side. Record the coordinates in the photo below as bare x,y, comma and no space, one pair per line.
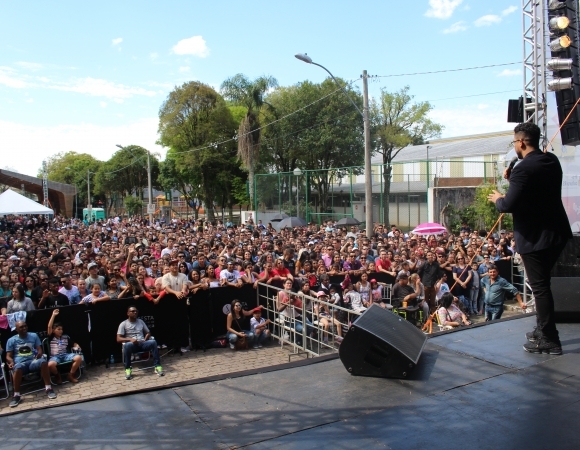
153,56
29,65
184,69
103,104
509,10
456,27
29,100
117,41
442,9
509,72
467,120
10,78
487,20
101,88
38,143
194,45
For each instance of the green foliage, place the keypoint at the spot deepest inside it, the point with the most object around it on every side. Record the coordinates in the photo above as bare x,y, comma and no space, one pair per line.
133,205
318,135
193,117
71,168
486,210
239,191
396,122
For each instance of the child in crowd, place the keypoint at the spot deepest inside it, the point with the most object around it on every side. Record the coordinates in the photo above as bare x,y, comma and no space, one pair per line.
259,327
62,351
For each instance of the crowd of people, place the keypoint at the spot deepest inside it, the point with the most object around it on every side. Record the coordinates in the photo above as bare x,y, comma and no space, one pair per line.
52,264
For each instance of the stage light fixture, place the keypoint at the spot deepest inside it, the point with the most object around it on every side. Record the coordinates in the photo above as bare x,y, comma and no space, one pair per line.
560,43
554,5
559,64
559,24
560,84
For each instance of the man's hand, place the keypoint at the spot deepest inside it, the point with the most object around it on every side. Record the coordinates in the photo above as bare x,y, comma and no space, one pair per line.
495,196
45,293
55,312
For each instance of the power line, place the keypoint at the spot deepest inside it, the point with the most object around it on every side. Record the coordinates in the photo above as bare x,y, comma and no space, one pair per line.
475,95
443,71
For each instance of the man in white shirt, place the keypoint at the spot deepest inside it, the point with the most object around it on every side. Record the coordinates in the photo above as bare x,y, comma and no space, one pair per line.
174,282
67,288
229,276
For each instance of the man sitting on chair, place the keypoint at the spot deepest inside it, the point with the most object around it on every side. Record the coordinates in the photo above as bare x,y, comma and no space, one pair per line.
135,335
402,292
24,355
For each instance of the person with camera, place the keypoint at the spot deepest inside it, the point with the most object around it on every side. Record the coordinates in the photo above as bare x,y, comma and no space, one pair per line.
238,326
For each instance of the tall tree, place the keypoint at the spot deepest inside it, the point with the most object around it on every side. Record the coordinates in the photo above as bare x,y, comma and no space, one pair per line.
324,133
250,94
397,122
72,168
197,125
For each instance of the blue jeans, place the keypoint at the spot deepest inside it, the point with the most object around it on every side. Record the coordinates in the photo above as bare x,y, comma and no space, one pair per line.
233,338
30,365
147,346
473,297
466,302
262,336
493,312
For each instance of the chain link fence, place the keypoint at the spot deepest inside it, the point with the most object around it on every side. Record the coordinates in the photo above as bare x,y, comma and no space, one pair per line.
321,195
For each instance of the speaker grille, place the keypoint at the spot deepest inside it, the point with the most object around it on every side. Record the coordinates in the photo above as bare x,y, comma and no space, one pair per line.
393,329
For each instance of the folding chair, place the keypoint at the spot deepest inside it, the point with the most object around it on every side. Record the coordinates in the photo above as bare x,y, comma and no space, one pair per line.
59,366
137,357
4,381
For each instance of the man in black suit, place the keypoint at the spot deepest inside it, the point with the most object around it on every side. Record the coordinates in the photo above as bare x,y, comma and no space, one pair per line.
541,227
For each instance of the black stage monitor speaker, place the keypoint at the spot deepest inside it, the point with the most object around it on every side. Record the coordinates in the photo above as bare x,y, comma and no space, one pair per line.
566,291
381,344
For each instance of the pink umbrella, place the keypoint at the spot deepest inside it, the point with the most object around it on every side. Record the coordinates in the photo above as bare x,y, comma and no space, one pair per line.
428,228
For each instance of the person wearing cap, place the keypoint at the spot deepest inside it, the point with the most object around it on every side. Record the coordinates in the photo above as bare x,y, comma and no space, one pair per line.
259,327
402,292
94,277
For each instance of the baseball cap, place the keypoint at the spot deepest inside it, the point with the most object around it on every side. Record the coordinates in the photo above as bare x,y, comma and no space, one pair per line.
91,265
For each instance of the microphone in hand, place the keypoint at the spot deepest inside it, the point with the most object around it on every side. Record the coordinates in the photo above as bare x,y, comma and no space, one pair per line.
507,172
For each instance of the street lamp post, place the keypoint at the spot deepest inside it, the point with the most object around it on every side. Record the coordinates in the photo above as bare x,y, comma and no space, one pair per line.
149,188
297,172
367,133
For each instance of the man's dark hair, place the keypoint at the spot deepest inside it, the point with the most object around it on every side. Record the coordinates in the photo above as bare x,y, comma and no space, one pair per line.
531,133
54,281
131,306
491,267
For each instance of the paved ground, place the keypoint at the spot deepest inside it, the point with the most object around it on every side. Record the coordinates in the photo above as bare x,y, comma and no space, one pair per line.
99,381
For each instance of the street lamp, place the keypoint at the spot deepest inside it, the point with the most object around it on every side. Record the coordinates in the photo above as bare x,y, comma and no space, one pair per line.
76,207
297,172
150,207
367,132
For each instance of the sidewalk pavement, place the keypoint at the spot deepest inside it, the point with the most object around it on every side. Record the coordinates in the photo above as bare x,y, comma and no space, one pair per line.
98,381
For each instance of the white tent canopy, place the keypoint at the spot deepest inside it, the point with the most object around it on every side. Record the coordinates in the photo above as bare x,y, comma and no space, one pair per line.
13,203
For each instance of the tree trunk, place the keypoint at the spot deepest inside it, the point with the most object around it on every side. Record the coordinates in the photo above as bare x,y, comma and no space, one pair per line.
387,170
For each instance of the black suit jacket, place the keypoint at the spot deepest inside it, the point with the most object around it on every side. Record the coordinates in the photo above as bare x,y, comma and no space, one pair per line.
534,198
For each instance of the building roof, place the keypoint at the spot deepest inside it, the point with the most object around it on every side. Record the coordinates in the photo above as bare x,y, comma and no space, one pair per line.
459,147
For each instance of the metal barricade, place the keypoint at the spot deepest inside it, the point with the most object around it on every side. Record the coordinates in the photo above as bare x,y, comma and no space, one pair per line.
309,325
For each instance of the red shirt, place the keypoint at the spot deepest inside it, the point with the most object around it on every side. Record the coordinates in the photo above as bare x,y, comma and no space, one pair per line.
384,264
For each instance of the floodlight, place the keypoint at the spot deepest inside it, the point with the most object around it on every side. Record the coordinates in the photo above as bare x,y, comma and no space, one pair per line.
560,84
559,24
559,64
553,5
560,43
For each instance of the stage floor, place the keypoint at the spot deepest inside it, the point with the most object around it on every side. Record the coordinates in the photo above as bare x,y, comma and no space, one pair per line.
474,389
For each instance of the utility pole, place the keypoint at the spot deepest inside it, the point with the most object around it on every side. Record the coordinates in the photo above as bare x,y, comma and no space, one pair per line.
368,166
89,205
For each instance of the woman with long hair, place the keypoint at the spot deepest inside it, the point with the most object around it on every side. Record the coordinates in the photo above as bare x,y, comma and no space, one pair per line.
210,278
363,287
19,301
449,314
238,324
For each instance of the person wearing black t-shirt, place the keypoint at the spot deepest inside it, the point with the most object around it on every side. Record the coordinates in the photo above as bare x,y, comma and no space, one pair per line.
51,298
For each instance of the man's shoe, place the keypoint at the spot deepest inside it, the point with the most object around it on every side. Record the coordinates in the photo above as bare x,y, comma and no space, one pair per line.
58,378
70,377
128,373
533,336
51,394
543,346
184,349
232,346
159,371
15,401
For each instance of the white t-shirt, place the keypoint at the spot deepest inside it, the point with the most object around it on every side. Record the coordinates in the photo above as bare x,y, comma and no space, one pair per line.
231,277
443,288
175,283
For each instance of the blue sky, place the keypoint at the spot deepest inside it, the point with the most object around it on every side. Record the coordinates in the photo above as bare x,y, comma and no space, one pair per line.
85,76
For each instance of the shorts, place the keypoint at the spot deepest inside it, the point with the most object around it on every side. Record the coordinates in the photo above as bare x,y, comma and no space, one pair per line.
30,365
63,358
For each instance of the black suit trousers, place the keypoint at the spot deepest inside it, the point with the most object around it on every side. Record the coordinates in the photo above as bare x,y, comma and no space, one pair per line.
538,266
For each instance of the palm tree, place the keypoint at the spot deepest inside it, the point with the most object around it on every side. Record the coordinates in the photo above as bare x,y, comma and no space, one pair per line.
249,94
